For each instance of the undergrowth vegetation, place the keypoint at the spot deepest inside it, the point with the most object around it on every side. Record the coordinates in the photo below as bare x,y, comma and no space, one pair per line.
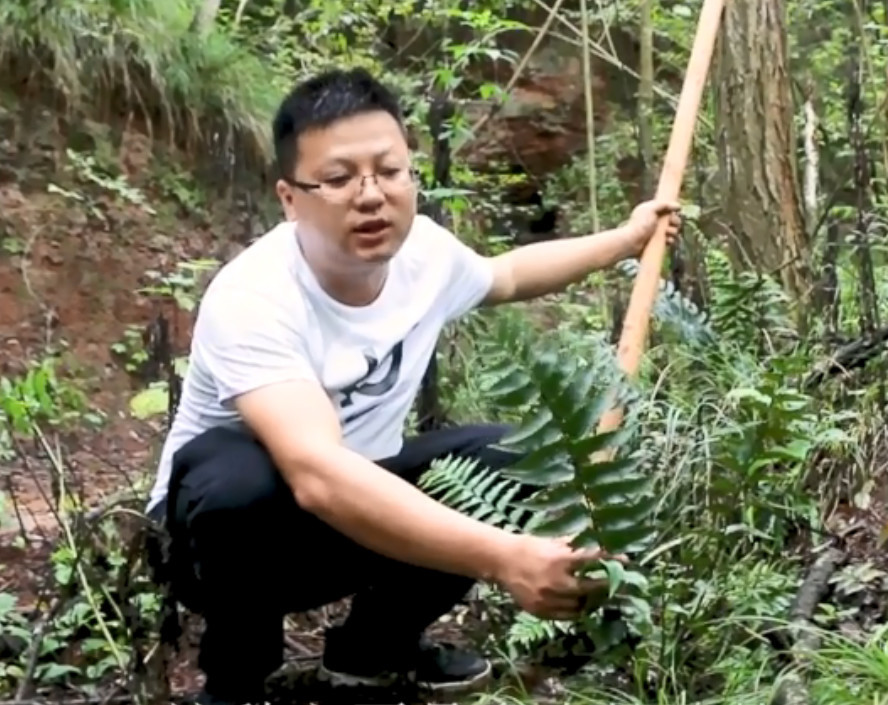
752,441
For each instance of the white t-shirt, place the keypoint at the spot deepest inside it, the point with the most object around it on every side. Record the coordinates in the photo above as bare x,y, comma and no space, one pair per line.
265,319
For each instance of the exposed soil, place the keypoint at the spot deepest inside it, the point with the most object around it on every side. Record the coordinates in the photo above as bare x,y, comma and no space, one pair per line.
69,275
70,269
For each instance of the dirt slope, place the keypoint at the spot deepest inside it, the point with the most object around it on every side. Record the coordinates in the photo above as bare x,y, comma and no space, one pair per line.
78,234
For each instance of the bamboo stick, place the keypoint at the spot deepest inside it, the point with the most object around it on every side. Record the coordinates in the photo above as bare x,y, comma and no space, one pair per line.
635,324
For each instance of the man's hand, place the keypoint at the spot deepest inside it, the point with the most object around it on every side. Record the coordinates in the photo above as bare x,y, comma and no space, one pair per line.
540,576
644,219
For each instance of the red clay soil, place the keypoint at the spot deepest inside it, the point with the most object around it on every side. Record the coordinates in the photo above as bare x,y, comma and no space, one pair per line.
68,276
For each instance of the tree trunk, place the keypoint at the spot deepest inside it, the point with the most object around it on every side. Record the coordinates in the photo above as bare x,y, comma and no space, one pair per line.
205,16
430,411
756,146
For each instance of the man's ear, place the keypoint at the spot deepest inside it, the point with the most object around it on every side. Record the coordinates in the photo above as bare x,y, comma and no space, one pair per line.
285,195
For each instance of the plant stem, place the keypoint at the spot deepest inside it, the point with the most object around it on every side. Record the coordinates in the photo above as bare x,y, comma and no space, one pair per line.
590,117
54,459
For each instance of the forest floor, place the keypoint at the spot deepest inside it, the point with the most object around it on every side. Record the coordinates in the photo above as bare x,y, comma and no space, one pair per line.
76,245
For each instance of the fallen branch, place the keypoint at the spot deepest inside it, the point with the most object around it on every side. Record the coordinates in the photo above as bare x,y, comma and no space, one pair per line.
849,357
802,632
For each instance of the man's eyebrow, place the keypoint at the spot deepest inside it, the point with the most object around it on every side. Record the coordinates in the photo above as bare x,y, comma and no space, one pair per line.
346,161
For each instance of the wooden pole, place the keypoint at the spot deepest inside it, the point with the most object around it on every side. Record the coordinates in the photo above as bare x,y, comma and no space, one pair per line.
635,324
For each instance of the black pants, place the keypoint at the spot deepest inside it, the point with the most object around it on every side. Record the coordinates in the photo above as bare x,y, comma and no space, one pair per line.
245,554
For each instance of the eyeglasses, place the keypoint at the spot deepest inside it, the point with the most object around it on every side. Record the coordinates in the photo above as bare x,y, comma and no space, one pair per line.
341,189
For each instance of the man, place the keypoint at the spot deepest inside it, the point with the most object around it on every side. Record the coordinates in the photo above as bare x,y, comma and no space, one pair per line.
285,480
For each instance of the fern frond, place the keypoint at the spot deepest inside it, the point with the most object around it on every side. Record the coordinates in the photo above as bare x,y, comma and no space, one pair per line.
479,492
560,398
745,304
529,632
673,309
605,503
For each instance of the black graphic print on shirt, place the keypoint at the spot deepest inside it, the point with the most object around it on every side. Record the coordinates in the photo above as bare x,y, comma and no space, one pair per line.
380,378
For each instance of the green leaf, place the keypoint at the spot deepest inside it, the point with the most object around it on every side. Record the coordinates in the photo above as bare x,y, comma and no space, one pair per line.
547,367
614,517
549,499
796,450
54,671
584,449
566,522
150,402
584,419
514,389
546,465
542,455
537,432
620,492
630,540
603,472
558,471
615,573
7,603
577,393
635,579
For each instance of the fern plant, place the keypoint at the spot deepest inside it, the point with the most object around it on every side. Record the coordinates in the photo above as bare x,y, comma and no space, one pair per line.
479,492
675,310
605,503
745,305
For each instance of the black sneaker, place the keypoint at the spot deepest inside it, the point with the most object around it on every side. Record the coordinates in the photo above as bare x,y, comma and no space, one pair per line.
430,666
443,667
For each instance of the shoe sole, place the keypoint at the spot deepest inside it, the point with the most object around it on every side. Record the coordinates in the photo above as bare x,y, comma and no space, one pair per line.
346,680
459,686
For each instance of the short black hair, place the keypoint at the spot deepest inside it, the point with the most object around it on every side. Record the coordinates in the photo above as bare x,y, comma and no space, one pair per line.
323,99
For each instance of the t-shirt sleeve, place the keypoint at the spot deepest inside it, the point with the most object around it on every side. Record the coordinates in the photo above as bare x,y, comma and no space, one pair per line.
471,277
247,341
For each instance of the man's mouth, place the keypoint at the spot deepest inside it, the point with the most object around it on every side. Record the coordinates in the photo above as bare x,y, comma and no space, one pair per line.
372,227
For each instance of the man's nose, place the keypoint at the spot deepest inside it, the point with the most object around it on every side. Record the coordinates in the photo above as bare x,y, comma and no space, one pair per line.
369,190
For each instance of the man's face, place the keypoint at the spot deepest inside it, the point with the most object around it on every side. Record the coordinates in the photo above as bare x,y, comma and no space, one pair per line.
346,222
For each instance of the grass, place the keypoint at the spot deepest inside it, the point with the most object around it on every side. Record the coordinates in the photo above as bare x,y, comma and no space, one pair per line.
136,58
843,671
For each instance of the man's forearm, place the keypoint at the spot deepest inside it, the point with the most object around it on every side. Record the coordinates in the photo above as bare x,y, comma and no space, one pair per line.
388,515
547,267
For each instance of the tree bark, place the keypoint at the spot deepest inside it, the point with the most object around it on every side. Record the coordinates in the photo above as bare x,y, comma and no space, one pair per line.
205,16
430,412
756,145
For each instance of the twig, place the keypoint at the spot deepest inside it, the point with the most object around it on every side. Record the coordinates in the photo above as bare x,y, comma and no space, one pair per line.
48,314
90,596
597,50
26,463
590,116
33,654
10,489
240,12
65,700
848,357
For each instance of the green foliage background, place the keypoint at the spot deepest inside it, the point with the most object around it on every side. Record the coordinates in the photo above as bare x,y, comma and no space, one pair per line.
729,463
